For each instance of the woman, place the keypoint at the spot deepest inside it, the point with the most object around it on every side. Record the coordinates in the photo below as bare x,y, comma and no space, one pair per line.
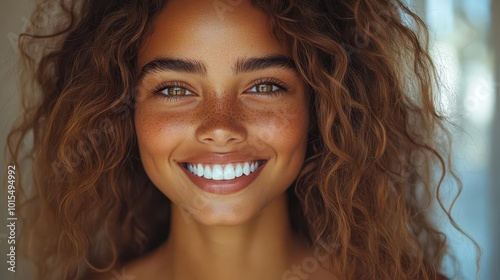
231,140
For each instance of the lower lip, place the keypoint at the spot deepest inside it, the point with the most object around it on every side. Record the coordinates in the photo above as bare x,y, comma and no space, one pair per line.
223,186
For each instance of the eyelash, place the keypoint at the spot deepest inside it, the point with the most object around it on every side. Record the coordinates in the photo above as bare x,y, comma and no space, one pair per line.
283,88
157,90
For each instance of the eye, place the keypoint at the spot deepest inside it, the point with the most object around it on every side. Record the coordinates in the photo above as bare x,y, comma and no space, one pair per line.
171,90
268,87
264,88
175,91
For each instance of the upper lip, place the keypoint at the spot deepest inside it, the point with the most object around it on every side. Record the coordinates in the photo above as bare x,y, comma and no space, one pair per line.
218,158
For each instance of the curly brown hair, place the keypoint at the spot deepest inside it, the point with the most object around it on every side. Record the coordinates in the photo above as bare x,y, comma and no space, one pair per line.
377,148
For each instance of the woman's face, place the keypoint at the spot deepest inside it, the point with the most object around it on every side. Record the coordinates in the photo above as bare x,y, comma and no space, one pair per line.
221,114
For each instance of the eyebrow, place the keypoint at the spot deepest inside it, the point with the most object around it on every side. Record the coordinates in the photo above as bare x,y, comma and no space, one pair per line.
173,64
260,63
197,67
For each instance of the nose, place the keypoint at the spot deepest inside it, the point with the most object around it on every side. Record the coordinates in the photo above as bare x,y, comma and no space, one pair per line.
222,124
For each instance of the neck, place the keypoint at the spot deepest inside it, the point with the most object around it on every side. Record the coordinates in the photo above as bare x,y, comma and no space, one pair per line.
262,248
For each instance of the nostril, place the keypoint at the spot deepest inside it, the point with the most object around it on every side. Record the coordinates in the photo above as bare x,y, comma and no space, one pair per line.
222,135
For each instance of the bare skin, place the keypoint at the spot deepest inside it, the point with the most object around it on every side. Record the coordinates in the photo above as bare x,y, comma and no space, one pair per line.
254,113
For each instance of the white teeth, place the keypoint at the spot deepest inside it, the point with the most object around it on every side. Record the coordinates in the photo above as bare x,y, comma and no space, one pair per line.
246,169
229,172
220,172
238,172
217,173
207,173
198,170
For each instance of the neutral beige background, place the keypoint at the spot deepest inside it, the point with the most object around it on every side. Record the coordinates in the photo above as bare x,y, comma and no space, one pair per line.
12,18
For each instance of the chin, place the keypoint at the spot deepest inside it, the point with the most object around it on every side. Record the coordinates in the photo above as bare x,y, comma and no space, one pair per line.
222,215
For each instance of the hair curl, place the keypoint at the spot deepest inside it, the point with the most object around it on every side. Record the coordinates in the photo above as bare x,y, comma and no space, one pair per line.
369,176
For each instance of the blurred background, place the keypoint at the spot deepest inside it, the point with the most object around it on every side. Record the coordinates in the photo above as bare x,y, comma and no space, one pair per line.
466,47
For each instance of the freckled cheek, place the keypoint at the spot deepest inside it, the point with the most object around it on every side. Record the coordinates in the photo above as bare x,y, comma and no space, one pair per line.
160,132
284,129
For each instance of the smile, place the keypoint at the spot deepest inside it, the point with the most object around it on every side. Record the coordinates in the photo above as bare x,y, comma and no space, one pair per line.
220,172
221,177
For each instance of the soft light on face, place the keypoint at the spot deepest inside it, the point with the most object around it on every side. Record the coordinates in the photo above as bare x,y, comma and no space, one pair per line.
216,91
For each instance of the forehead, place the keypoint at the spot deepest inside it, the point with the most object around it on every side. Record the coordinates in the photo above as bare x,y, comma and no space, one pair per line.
205,30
